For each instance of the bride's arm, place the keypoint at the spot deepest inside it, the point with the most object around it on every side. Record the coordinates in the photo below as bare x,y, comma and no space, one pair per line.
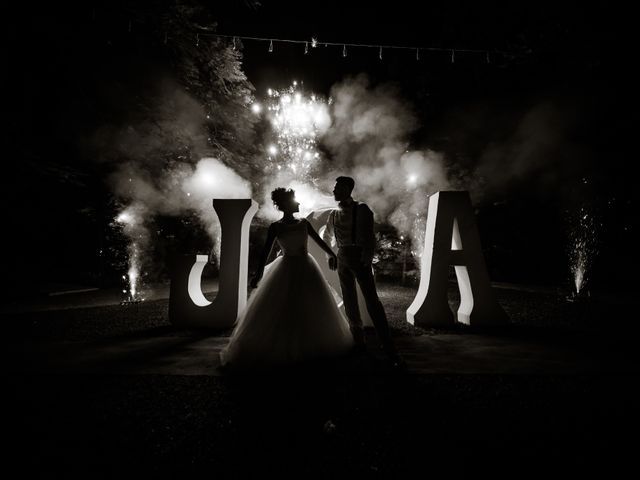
313,234
268,245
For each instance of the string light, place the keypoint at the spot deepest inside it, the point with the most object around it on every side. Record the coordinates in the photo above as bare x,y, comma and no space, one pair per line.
315,43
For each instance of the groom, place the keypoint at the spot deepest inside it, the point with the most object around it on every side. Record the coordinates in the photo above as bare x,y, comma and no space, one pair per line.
352,225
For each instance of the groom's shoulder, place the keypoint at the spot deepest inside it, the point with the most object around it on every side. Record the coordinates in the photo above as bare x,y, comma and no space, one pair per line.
364,207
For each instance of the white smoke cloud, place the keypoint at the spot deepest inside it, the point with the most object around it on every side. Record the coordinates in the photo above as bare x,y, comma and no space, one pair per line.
366,132
181,189
533,147
211,179
368,141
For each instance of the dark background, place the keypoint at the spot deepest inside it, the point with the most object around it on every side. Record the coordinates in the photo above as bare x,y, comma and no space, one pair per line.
67,64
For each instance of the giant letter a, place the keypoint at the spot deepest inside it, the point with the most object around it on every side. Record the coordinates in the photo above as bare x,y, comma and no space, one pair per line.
452,239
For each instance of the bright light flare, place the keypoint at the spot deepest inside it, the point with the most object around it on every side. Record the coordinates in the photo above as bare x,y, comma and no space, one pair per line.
125,217
582,248
130,220
297,120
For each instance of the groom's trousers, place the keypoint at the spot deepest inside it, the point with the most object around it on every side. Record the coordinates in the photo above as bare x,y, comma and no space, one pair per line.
350,269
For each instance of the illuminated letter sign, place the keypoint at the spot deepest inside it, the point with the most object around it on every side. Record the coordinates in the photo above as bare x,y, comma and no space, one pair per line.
452,239
188,307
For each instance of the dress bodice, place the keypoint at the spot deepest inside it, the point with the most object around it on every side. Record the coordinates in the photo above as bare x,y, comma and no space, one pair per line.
293,239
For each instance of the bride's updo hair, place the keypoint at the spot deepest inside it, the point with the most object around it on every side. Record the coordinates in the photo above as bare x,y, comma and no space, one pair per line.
281,196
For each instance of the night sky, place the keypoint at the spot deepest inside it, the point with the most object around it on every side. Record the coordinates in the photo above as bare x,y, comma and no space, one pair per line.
73,70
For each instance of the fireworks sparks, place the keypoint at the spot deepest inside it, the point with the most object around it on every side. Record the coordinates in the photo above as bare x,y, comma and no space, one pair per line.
297,119
130,220
418,230
582,248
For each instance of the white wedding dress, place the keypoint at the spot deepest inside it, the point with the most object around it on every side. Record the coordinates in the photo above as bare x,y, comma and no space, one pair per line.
292,315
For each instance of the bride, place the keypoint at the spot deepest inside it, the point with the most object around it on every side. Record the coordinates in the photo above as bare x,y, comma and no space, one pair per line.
292,316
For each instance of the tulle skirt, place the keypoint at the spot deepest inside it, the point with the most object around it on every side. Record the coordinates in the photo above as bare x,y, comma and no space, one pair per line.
290,318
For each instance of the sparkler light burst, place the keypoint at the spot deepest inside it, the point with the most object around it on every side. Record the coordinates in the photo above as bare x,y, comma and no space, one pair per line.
582,248
130,220
297,120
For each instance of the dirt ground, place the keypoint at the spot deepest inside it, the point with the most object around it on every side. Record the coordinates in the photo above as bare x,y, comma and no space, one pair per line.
353,416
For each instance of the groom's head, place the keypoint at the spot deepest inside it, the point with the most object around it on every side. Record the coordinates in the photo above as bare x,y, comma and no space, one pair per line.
343,188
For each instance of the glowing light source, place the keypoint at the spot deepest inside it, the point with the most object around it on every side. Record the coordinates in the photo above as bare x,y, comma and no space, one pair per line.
130,220
256,108
582,248
296,120
124,217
